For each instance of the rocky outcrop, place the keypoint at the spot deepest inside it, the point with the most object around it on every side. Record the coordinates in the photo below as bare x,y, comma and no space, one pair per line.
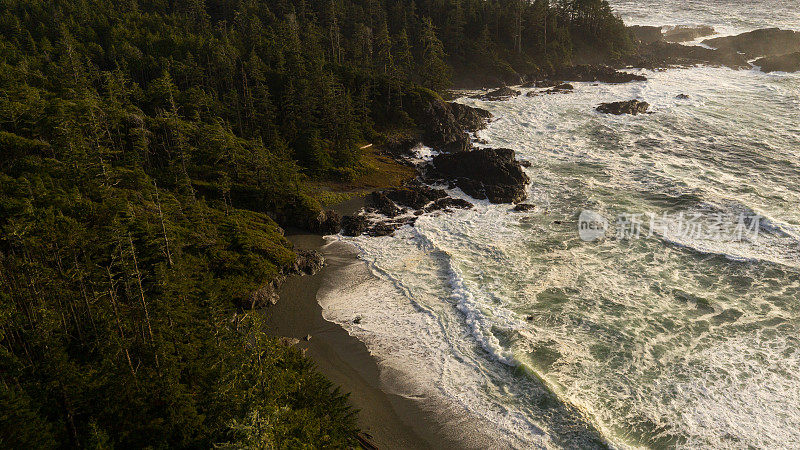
598,73
664,54
503,93
630,107
524,207
441,130
492,174
325,222
444,125
469,118
415,195
783,63
354,225
308,262
646,34
685,33
765,42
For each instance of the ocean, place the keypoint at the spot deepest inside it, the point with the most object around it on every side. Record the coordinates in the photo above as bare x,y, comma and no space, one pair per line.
678,327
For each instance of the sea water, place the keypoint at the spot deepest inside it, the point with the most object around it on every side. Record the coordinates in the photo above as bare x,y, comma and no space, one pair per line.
655,339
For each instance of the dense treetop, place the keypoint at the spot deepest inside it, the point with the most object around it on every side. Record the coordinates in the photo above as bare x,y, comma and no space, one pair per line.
146,150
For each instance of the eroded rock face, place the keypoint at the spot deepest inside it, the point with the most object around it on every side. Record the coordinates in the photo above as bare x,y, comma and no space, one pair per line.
308,262
782,63
633,107
354,225
469,118
765,42
325,222
441,130
492,174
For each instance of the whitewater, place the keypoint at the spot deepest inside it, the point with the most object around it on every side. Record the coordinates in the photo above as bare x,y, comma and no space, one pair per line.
658,341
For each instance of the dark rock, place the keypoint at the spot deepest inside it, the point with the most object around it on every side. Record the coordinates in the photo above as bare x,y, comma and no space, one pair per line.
524,207
525,163
308,262
382,229
529,318
547,83
400,146
325,222
590,72
765,42
684,33
783,63
664,55
682,97
560,89
440,129
469,118
646,34
385,205
354,225
415,195
503,93
557,222
448,203
357,320
492,174
630,107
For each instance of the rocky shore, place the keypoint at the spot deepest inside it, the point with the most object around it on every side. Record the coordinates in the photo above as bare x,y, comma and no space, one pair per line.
658,49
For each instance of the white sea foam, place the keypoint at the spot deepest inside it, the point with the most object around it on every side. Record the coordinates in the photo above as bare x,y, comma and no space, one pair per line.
647,342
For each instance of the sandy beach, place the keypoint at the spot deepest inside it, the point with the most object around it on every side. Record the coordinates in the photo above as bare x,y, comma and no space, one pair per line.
392,421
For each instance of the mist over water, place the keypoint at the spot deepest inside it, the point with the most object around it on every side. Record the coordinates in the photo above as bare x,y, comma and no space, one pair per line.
653,342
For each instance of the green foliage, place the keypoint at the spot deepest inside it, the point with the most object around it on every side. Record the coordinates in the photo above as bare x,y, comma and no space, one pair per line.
144,146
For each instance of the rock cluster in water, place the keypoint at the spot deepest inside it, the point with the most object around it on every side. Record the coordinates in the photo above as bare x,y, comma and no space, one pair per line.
633,107
659,49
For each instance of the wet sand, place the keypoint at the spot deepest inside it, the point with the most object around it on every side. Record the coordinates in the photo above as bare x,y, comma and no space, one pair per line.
392,421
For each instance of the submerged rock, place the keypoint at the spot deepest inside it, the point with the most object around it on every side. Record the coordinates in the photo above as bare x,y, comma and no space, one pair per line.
682,97
633,107
524,207
783,63
492,174
448,203
764,42
503,93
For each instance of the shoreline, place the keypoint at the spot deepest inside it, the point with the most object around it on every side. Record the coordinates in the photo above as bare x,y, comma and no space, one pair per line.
389,420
